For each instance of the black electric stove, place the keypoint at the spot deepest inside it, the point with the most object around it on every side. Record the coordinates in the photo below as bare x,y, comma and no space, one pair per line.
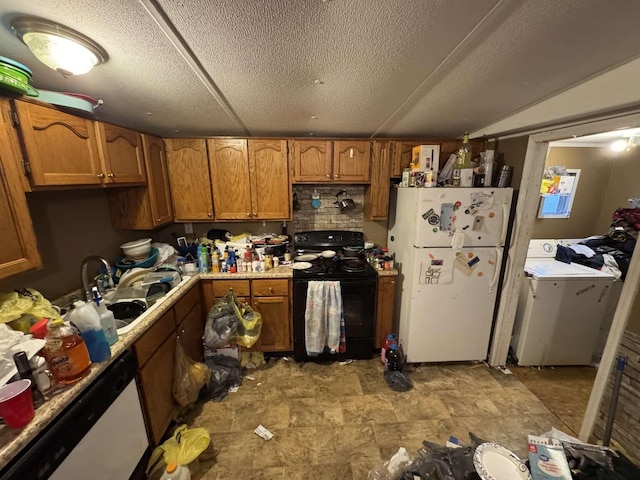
358,280
338,267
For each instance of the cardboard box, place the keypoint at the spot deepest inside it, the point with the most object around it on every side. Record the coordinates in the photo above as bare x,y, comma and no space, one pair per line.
425,158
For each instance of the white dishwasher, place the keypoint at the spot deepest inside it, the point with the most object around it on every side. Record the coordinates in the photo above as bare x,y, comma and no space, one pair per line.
560,311
101,435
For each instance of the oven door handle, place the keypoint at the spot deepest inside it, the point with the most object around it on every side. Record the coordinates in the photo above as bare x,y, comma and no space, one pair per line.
349,281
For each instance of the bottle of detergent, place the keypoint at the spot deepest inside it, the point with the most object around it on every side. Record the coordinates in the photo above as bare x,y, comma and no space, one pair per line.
107,320
66,352
86,318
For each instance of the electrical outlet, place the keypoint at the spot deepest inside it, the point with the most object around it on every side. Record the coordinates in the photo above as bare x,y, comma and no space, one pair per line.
188,228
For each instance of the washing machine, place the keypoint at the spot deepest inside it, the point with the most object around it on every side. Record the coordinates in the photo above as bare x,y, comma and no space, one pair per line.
561,309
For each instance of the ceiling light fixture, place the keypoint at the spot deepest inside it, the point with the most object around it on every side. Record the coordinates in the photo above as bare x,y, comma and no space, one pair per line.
59,47
619,145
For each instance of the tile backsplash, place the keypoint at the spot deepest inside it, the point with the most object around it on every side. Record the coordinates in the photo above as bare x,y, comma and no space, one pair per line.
327,216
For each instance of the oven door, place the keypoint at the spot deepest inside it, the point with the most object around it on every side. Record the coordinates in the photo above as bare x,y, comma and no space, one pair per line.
359,309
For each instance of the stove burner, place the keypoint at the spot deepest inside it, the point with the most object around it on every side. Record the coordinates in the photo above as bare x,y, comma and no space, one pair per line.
352,265
314,268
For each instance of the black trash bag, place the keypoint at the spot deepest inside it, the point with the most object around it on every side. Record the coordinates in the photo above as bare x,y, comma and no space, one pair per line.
398,381
226,372
593,462
444,463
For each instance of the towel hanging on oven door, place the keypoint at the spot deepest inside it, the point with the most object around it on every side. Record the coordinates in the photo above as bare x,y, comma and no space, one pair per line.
324,318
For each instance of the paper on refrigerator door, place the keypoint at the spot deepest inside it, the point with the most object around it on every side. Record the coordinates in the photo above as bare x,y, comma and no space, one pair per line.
436,272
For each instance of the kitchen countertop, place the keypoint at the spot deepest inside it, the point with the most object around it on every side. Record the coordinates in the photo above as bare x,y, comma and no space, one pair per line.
387,273
13,441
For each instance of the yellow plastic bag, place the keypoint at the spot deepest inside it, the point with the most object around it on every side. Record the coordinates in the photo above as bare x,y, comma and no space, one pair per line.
189,377
25,301
182,448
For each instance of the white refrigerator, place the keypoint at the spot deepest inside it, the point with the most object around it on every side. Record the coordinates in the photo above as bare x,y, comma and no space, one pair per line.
448,246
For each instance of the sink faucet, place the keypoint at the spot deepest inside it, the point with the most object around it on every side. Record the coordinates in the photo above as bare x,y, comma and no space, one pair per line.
85,279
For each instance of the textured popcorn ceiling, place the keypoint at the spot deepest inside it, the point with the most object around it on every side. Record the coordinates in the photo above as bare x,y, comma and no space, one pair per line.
386,67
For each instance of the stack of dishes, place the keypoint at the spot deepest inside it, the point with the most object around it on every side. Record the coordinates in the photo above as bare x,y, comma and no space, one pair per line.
15,77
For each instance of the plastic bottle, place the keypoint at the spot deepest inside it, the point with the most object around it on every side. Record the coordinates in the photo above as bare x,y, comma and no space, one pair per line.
176,472
107,320
215,262
391,339
65,352
86,318
393,360
203,259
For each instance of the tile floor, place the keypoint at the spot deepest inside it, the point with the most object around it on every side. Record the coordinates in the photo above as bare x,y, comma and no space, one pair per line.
337,422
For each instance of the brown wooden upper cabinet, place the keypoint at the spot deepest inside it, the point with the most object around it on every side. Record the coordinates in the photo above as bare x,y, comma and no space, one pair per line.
189,178
311,160
121,154
61,149
19,250
351,161
401,156
146,207
250,179
376,205
339,161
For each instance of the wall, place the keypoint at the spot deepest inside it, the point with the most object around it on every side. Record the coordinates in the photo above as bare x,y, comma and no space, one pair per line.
511,151
595,165
69,225
623,184
626,426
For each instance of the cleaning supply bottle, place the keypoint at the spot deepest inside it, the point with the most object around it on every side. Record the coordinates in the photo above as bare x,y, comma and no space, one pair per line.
391,339
215,262
107,320
203,259
65,352
174,471
86,318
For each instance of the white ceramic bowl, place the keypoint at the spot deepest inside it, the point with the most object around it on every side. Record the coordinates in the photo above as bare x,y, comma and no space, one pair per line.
137,250
328,254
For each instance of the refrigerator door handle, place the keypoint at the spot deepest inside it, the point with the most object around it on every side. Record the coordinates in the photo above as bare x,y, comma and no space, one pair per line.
496,271
505,222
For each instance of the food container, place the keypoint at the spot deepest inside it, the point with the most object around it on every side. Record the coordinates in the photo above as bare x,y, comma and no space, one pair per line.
137,250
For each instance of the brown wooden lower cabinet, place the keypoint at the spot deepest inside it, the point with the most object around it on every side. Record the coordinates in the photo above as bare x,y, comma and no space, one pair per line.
384,308
156,380
269,296
190,332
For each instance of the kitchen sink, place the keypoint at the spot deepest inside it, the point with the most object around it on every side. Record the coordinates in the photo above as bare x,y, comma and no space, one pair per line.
129,309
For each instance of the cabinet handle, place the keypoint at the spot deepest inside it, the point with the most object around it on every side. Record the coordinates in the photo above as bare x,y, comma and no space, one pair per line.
271,289
335,176
208,214
328,176
248,214
393,282
255,214
111,175
158,220
101,175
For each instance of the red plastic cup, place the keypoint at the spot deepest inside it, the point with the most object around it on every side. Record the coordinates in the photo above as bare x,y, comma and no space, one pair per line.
16,403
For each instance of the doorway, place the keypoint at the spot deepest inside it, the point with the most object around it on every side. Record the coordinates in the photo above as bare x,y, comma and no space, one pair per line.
538,147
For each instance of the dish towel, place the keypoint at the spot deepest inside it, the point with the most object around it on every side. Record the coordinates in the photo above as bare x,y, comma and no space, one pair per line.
324,318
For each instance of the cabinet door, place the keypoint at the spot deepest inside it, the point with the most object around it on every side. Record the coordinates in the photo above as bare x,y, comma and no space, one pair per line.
61,149
311,160
275,335
402,156
351,161
377,197
156,380
189,178
384,308
148,207
229,167
157,180
19,250
269,175
122,154
190,333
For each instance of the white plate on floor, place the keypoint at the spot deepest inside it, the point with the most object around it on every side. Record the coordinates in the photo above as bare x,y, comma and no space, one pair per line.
494,462
307,257
301,265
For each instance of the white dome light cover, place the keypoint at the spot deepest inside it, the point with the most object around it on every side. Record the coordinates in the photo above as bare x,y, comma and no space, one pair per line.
59,47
